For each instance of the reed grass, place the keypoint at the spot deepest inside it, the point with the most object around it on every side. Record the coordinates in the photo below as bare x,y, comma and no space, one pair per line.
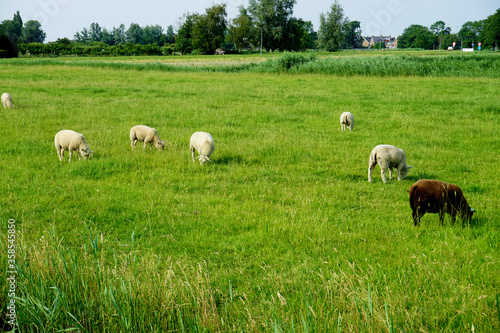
486,64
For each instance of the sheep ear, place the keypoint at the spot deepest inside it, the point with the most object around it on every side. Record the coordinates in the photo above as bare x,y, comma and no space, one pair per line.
409,167
472,210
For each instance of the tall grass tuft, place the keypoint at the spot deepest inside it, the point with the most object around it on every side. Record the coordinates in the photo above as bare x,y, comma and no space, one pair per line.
286,62
63,288
406,65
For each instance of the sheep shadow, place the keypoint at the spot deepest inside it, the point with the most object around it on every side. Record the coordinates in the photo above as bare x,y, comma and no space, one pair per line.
228,159
475,222
353,177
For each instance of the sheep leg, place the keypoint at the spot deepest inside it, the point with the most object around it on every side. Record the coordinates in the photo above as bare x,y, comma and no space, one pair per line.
441,217
133,143
383,169
382,174
350,128
453,217
384,165
371,166
70,155
192,154
60,153
416,217
390,173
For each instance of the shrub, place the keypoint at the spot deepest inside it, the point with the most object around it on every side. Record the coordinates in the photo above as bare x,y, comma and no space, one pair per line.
287,62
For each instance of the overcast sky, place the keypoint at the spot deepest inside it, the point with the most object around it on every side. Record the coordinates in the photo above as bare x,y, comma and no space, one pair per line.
63,18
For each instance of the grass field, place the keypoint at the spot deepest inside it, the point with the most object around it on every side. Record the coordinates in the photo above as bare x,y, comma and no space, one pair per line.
282,232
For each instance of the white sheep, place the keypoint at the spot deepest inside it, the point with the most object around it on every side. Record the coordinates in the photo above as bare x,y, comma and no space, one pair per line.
148,135
7,100
347,119
70,140
204,144
388,157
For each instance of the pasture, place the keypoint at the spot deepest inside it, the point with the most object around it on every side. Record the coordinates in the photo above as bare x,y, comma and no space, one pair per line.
281,233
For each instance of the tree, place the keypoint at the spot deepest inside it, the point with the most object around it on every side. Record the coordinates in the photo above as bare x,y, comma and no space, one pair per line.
61,45
470,32
440,30
13,28
152,34
353,39
313,35
184,39
33,33
134,34
274,17
209,29
332,27
240,30
8,49
170,35
95,32
82,37
448,40
416,36
298,35
107,37
490,35
119,35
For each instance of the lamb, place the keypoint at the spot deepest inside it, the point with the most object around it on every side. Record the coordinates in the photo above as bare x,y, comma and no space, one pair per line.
347,119
204,144
148,135
70,140
7,100
388,157
434,196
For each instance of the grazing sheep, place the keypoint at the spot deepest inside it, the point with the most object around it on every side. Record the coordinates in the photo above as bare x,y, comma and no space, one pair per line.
148,135
7,100
434,196
204,144
70,140
388,157
347,119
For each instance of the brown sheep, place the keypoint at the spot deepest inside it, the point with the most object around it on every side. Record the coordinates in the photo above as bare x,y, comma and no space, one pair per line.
434,196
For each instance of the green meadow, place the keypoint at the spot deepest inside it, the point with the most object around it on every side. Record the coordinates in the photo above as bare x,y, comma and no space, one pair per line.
282,231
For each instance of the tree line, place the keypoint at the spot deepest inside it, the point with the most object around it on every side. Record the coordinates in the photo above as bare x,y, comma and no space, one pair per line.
269,24
439,36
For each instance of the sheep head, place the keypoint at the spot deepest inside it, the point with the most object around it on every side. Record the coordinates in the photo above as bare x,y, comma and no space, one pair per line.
203,159
160,145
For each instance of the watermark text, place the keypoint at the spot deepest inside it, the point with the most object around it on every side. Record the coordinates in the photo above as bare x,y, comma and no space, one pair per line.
11,272
49,9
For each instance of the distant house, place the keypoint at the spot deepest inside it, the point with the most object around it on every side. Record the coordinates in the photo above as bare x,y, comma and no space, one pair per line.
366,42
389,42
